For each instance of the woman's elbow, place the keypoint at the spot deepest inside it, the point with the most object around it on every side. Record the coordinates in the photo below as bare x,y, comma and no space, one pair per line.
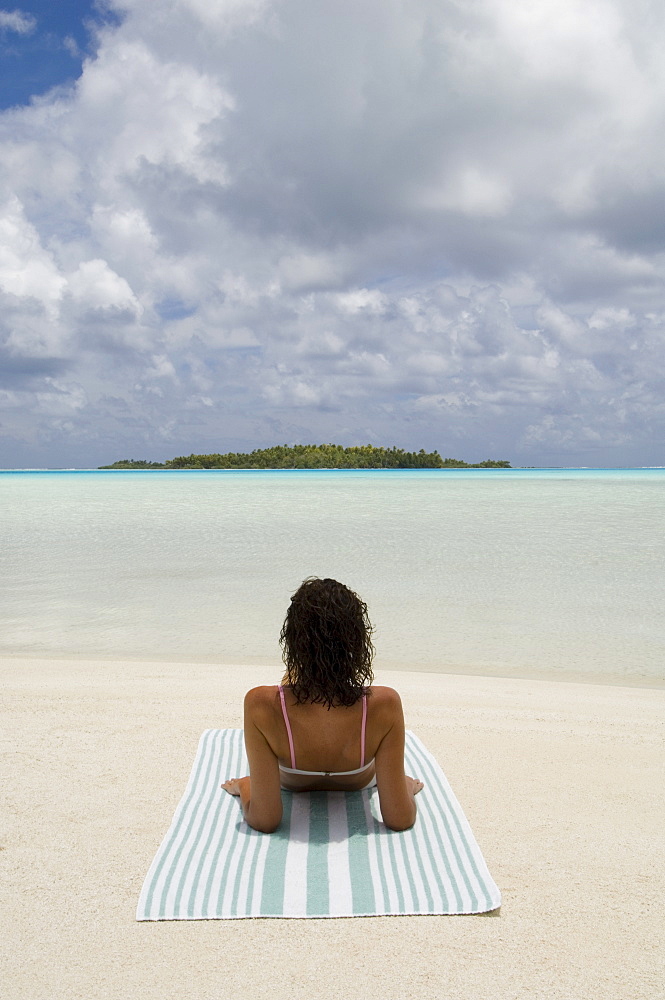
264,827
264,824
399,823
400,827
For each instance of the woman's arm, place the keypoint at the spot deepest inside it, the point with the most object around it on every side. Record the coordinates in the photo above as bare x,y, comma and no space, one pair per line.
396,789
259,793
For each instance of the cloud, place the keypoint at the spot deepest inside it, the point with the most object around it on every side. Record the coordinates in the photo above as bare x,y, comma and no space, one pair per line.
17,21
95,287
27,269
428,224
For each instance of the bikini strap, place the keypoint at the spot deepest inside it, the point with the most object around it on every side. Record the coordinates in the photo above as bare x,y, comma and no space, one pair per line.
288,727
362,732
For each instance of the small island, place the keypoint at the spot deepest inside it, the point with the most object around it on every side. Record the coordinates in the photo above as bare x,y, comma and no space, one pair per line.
313,456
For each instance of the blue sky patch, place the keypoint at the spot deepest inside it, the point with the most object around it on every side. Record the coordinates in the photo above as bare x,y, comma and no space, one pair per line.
172,309
43,44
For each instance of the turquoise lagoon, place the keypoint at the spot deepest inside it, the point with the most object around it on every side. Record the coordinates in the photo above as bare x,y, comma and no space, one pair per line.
514,572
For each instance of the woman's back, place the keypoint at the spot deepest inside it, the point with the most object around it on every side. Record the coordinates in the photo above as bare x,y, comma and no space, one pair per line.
329,742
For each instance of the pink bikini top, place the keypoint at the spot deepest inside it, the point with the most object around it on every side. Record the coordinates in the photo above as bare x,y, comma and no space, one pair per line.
333,774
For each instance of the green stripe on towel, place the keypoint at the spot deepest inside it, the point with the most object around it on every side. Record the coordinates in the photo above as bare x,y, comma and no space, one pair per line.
332,856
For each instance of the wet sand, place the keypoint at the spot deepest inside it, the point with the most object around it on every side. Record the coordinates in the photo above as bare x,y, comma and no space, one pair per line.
562,783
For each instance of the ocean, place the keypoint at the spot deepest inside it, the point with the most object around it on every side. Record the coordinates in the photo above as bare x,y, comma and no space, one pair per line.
520,573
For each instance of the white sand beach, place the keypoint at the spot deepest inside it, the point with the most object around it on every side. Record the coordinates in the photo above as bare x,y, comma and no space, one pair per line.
562,784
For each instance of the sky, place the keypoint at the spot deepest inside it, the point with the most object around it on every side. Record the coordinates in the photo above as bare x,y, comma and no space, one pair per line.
229,224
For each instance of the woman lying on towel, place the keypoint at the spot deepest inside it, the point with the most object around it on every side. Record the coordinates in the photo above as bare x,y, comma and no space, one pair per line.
324,728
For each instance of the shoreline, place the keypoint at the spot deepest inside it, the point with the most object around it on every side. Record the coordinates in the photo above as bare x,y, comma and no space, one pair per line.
334,468
639,681
559,781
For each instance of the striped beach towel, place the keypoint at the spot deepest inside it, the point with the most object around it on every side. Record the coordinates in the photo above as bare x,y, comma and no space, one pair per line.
332,856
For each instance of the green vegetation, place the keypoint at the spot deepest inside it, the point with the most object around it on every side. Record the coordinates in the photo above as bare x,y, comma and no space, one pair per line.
134,463
314,456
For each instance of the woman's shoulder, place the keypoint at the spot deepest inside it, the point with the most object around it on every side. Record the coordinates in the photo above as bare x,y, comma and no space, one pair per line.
265,698
261,699
262,692
381,693
385,700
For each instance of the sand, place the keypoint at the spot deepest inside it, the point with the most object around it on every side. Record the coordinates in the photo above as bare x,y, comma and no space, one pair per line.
561,782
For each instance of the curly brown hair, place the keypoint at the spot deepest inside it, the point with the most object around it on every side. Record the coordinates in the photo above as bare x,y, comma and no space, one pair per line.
326,643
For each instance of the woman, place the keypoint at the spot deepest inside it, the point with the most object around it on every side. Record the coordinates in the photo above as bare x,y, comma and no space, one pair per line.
312,732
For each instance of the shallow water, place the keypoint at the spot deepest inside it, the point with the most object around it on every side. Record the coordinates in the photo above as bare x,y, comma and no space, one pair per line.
511,572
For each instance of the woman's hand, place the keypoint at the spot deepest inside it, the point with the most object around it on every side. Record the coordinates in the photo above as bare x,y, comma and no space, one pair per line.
234,785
